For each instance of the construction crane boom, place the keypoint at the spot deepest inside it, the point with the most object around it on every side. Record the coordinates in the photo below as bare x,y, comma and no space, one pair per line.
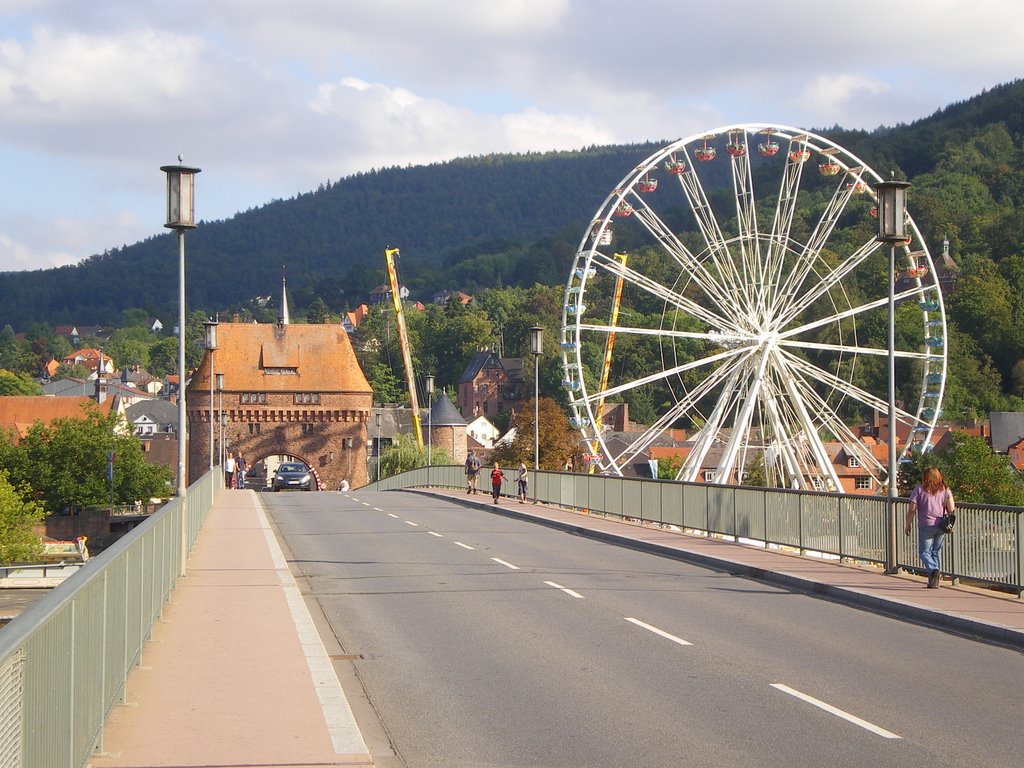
403,341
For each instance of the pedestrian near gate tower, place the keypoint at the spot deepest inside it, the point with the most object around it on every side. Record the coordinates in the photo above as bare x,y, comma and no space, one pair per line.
291,390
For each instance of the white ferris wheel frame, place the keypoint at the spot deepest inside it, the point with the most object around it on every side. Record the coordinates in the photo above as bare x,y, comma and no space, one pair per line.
750,318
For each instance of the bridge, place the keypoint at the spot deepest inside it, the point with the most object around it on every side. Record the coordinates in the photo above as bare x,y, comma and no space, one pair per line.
237,628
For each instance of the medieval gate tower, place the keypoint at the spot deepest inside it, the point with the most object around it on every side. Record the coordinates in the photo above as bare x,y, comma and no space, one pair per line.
293,390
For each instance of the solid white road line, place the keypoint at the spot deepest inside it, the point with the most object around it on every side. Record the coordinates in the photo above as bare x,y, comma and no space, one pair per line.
660,632
435,533
464,546
341,723
567,591
499,561
837,712
410,522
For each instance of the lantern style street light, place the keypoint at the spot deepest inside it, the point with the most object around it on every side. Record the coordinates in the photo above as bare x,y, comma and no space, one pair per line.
892,230
211,346
181,216
536,349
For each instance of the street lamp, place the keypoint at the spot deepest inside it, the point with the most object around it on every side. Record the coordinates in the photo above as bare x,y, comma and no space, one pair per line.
430,431
892,229
536,349
211,346
180,216
377,415
220,415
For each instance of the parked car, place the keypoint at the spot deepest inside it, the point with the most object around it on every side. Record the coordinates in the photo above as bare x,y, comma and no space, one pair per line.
292,475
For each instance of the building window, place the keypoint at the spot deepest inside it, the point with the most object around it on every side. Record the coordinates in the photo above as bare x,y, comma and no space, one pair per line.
254,428
307,428
710,475
245,397
863,484
852,461
302,398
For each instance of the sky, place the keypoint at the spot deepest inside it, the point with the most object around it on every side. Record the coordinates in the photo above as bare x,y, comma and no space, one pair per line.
272,99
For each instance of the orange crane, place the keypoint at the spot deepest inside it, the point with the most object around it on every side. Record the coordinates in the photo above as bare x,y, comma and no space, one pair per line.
607,364
403,341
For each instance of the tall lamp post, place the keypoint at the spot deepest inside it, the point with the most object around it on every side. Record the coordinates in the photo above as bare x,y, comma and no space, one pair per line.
180,217
430,432
220,417
211,346
377,418
892,229
536,349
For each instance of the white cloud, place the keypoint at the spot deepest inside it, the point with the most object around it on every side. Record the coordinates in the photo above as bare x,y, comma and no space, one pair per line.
271,99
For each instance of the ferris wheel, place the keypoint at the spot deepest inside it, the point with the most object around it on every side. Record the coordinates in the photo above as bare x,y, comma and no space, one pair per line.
733,285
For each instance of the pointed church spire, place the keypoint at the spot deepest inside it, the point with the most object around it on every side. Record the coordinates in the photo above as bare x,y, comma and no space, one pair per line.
282,318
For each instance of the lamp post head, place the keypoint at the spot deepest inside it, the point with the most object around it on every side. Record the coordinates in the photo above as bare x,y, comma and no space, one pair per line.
181,213
892,211
537,340
211,334
429,383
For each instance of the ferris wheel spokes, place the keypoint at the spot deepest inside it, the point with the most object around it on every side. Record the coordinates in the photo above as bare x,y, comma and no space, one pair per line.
705,361
795,305
746,214
656,289
665,421
819,237
715,242
686,259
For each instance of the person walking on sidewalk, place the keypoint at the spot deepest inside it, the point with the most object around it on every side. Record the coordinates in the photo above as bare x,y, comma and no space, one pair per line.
929,501
523,479
229,471
496,477
472,471
240,467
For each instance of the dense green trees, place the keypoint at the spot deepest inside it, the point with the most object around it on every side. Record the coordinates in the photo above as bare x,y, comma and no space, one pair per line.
972,471
556,439
65,463
18,514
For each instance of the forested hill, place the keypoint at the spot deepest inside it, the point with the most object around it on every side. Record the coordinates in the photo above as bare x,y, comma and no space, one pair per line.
332,240
502,219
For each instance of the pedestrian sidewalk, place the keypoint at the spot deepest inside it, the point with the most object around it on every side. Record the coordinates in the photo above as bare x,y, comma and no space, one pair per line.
974,612
236,674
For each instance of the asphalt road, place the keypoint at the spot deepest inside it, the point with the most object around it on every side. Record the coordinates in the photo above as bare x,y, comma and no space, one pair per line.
490,642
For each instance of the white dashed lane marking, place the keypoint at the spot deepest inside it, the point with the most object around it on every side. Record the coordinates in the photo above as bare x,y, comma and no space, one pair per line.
499,561
567,591
464,546
659,632
837,712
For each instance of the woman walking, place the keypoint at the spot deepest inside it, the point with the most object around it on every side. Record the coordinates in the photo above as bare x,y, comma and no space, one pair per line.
930,500
496,477
523,479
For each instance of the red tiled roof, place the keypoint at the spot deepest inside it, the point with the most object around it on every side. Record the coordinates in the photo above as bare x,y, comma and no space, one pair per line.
18,413
262,357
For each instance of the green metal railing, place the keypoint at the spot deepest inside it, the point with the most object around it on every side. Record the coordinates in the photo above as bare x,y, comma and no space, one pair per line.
987,546
64,662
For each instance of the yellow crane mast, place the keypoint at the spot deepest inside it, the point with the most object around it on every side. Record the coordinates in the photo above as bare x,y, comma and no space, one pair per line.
403,341
606,367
